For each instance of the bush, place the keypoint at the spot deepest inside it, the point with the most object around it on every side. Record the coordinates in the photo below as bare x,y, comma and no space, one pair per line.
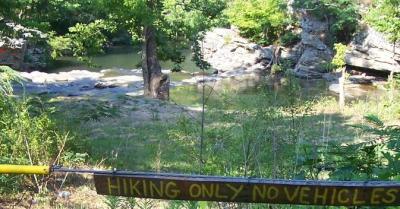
339,60
275,69
385,17
27,134
372,160
82,40
260,20
342,16
289,39
327,67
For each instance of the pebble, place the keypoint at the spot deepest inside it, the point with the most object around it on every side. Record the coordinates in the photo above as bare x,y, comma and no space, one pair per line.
64,194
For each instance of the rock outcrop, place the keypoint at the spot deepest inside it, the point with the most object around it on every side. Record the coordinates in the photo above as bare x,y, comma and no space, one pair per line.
231,55
313,48
233,60
227,52
108,83
369,49
27,52
84,83
12,52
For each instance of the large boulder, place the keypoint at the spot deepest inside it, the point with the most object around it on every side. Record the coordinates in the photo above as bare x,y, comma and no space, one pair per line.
225,50
369,49
28,51
292,53
12,52
314,51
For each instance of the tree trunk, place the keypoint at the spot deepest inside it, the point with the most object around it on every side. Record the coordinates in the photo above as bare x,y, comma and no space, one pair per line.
156,84
290,8
277,55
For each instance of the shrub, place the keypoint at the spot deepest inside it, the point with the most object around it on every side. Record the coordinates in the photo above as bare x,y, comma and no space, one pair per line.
385,17
275,69
27,134
375,159
260,20
82,40
342,16
339,60
327,67
289,39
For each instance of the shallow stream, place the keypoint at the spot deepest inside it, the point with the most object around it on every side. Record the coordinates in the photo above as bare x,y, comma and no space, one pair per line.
129,58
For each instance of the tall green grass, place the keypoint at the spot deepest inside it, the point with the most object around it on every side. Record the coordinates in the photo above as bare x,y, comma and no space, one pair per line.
282,133
289,133
27,135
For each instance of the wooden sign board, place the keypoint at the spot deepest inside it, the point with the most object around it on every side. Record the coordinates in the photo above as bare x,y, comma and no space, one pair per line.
247,190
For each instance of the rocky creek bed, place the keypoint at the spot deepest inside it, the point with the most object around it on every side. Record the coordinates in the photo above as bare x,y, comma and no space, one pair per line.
232,58
235,63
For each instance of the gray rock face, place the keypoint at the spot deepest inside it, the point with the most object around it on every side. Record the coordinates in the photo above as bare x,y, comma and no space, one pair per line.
84,83
36,57
292,54
12,43
29,52
12,52
369,49
314,51
25,32
231,55
108,83
225,50
313,41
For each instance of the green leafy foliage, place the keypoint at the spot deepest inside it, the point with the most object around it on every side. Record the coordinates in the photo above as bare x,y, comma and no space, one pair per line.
374,159
6,8
289,39
60,46
385,16
261,20
27,133
181,26
339,59
177,26
82,40
342,16
51,15
275,69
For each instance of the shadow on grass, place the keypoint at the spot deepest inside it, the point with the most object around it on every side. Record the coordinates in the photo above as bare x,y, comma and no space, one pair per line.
257,132
246,134
265,131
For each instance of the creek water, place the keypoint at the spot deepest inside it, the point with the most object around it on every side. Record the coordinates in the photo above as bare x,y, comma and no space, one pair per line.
121,57
129,58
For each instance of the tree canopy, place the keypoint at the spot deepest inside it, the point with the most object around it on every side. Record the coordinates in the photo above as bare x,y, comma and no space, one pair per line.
261,20
341,15
385,17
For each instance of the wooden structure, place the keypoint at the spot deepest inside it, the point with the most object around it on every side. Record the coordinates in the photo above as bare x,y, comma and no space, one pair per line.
230,189
247,190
